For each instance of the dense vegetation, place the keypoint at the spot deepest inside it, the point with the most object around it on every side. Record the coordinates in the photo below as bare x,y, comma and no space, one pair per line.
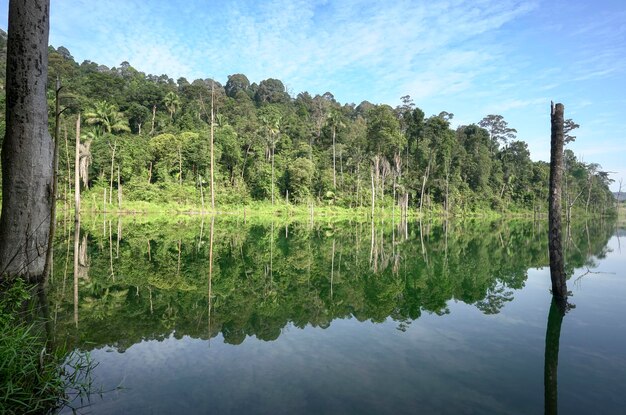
150,135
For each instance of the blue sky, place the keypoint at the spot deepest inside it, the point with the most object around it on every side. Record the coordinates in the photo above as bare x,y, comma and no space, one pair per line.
471,58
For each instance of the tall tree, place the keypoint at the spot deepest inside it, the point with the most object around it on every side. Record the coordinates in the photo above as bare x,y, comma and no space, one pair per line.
172,103
27,150
335,122
499,131
108,117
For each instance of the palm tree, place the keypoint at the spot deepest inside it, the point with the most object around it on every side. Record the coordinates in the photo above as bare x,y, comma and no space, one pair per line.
172,103
335,122
111,120
272,126
108,117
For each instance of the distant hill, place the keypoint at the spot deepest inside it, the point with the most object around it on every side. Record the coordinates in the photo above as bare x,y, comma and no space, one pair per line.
621,197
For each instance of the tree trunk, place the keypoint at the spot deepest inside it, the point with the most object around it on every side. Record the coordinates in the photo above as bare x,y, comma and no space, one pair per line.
112,165
180,166
27,151
67,158
334,162
272,172
425,179
77,171
588,194
119,189
358,182
55,173
212,157
557,272
153,117
373,195
448,189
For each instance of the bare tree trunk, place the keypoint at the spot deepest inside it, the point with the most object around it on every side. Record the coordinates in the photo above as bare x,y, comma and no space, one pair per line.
448,188
373,195
119,189
180,166
589,194
273,148
334,161
67,158
341,166
557,272
111,177
201,195
393,204
77,170
27,150
358,182
76,256
212,157
55,173
153,118
424,180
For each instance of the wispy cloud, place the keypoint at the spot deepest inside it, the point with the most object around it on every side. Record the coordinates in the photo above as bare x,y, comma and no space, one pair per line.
417,48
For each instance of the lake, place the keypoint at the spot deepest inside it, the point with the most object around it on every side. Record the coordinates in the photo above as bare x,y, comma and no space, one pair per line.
193,315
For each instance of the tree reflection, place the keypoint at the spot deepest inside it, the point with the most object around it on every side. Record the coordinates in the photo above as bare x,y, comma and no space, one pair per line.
553,334
261,278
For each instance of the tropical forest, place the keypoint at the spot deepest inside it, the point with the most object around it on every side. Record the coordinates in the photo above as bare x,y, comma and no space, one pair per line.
231,244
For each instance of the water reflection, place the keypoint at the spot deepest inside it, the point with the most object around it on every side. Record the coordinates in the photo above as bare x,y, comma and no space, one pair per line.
551,361
151,281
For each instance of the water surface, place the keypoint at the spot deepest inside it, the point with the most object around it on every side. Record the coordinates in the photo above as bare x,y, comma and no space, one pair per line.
197,316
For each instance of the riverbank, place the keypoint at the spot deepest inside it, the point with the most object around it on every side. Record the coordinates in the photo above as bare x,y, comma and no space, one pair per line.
284,209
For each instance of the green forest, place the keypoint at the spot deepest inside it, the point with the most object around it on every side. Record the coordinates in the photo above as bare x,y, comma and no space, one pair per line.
147,138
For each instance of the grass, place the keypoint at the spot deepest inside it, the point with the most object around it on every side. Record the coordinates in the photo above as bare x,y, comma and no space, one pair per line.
35,378
92,205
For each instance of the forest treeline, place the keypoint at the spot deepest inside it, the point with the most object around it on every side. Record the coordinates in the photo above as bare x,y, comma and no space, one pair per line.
147,138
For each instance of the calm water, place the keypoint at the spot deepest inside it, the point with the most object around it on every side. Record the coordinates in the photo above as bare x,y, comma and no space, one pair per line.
231,317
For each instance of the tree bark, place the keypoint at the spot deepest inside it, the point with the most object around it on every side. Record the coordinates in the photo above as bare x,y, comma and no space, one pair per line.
334,161
77,171
557,271
153,118
114,148
212,157
27,151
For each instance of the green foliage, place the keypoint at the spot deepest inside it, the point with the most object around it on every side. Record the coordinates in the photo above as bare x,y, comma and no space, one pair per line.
156,131
33,378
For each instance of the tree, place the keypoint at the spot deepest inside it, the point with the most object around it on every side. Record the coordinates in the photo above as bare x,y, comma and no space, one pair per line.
568,126
172,103
27,150
271,124
498,130
237,82
335,122
271,91
108,117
